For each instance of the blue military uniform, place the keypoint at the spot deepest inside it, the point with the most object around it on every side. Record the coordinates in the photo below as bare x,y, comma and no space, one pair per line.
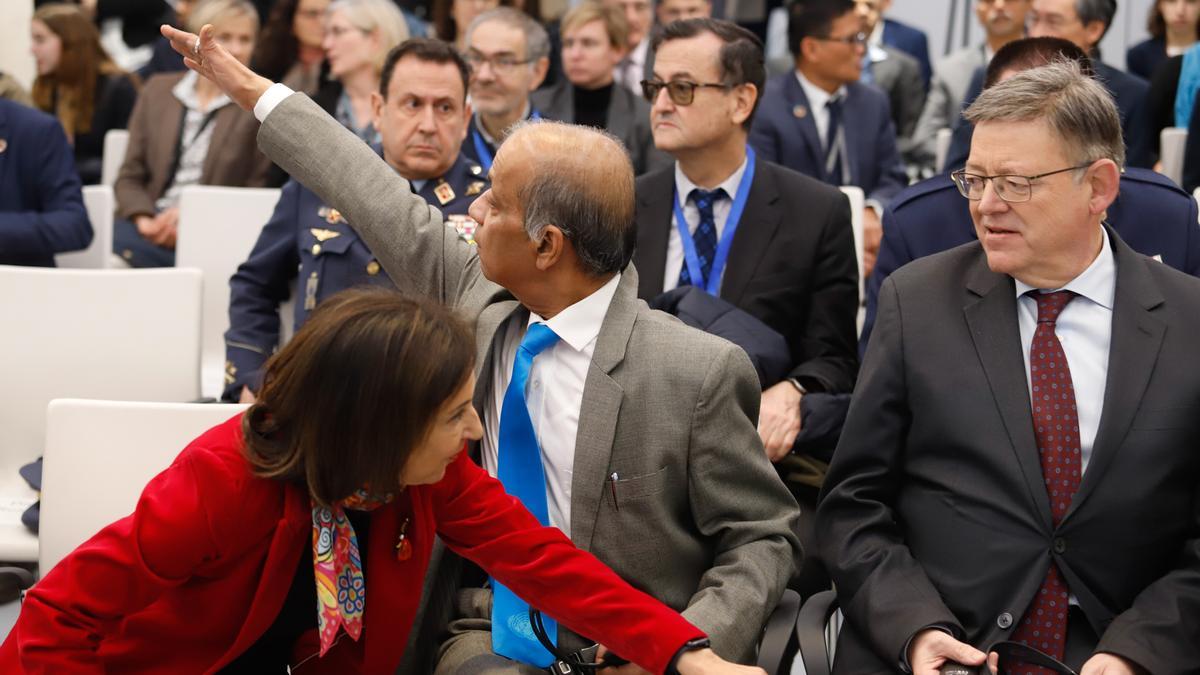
310,242
478,148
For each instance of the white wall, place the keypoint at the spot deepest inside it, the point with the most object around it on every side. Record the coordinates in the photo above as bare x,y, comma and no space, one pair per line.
14,40
932,16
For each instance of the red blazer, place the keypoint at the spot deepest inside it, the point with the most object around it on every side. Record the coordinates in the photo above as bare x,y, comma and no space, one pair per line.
200,570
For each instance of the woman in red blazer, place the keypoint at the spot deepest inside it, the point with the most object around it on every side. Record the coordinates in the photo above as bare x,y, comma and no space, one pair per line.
214,571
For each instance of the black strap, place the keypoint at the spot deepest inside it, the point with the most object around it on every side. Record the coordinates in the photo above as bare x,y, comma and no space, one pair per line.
777,649
810,631
1023,653
179,146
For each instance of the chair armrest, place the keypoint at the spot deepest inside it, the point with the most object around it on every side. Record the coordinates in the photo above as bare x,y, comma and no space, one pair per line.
810,632
778,645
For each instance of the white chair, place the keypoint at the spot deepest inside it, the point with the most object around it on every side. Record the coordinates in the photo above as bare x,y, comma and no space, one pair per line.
942,145
115,142
858,201
1170,152
99,456
217,229
100,205
110,334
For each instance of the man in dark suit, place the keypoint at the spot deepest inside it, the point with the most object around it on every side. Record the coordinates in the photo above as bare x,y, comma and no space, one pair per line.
1018,463
41,204
821,121
790,254
593,43
910,40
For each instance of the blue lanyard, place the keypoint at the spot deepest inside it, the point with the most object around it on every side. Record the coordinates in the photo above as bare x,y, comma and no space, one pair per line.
713,284
481,146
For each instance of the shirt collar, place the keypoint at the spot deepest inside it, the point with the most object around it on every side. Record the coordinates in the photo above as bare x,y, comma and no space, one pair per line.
488,137
637,55
684,186
1097,283
876,36
579,324
185,91
818,97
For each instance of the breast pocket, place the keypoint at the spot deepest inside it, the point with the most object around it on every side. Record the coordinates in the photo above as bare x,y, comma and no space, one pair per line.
625,490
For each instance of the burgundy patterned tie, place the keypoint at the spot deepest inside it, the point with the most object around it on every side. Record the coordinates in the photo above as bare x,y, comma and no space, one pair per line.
1056,425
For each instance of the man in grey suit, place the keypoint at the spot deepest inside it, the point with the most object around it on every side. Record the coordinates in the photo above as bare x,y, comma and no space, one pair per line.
646,427
1019,463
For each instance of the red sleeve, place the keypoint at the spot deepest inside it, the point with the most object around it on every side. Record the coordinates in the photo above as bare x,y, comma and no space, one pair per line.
479,521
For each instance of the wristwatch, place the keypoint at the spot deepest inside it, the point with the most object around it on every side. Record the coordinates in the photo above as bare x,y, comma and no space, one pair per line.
692,645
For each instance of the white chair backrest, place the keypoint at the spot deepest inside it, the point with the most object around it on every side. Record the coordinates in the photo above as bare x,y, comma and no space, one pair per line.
942,144
858,201
217,229
1170,152
99,457
115,142
100,205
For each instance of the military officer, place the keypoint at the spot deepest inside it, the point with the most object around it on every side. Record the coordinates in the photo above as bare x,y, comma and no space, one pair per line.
422,115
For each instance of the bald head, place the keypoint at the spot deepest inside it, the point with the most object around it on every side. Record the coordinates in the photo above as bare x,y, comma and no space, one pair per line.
578,179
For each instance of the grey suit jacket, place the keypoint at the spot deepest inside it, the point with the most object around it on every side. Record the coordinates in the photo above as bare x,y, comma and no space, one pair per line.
628,120
702,522
951,79
936,512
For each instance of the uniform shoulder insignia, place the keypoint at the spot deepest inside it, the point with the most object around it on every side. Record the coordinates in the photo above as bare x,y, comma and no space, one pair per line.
324,235
443,192
463,225
476,169
475,188
331,215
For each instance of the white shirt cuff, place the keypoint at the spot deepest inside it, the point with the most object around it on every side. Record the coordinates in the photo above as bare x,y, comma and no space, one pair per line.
271,98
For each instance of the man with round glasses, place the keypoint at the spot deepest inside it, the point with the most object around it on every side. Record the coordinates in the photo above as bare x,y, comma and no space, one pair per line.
1018,464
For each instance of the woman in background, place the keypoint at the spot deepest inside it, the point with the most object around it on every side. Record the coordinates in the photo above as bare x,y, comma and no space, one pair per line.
1173,28
451,18
290,50
78,83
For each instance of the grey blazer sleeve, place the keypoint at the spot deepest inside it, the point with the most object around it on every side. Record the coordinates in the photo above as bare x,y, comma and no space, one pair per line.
407,235
739,502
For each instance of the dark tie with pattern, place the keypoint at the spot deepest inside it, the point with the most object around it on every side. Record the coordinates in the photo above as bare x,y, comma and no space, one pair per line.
705,236
1056,426
833,149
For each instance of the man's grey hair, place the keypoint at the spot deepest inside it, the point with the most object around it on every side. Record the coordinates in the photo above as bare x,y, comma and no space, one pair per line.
537,42
1076,107
582,183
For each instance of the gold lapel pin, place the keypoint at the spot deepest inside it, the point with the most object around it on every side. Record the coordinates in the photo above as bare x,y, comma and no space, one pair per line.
800,112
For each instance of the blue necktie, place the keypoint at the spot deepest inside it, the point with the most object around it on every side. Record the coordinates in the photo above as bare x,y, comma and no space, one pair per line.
833,149
705,236
520,470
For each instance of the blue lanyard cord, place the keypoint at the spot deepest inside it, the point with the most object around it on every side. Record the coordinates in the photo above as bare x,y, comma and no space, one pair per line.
481,146
713,283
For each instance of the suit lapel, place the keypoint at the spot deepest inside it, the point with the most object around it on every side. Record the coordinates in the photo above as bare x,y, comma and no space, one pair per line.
991,315
619,115
755,232
655,219
223,124
599,410
1137,337
805,125
851,112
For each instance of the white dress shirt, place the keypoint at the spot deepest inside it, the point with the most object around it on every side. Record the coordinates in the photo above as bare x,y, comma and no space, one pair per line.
554,392
1085,330
818,98
630,71
721,209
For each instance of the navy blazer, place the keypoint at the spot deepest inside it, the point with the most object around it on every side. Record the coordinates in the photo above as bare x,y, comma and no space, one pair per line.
1129,92
911,41
41,202
784,132
1151,214
1145,57
306,238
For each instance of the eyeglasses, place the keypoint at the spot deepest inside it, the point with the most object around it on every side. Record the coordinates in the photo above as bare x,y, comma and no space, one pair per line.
856,40
500,63
681,92
1010,188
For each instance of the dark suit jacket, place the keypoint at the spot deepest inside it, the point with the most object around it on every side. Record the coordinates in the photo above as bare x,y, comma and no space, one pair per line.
150,162
791,265
935,508
1145,57
911,41
1151,214
628,120
41,206
784,132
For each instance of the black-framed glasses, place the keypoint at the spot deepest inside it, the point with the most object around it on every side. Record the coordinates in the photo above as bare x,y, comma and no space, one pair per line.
1011,188
856,40
681,92
500,63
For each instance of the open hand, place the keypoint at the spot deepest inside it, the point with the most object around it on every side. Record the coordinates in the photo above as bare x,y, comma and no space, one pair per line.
202,54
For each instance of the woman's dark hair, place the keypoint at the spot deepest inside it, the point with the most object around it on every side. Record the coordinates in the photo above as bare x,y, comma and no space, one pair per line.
277,47
343,405
1157,25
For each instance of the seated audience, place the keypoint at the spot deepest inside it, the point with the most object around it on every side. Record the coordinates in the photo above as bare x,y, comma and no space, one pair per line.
637,61
508,54
41,207
894,71
1002,22
675,10
1016,466
1173,27
358,36
594,37
183,132
421,112
256,550
901,36
451,18
821,121
79,84
290,48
